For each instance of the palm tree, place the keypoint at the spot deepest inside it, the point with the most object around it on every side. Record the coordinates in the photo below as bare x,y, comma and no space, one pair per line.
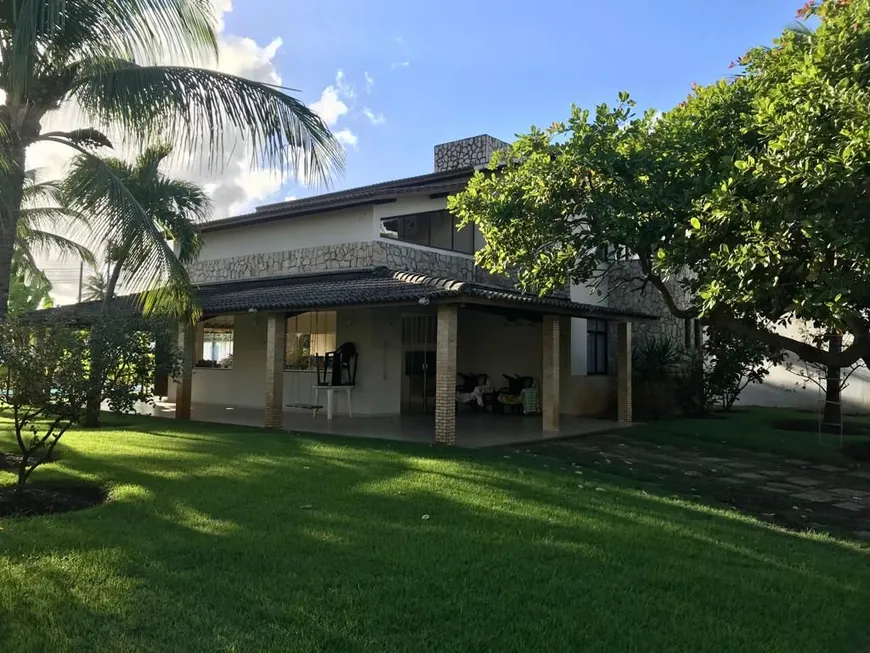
95,288
138,244
101,56
42,210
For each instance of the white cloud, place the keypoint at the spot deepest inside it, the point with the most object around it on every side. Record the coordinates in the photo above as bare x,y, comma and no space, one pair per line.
346,137
233,186
399,64
330,106
289,198
370,81
374,118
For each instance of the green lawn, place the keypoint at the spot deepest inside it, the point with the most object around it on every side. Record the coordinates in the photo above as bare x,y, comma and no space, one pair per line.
752,429
230,539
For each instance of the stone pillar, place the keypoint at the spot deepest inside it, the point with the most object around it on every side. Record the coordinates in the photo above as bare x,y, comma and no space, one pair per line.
445,374
184,387
623,372
275,329
550,399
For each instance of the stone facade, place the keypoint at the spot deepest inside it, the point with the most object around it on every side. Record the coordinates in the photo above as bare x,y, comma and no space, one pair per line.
627,293
467,152
347,256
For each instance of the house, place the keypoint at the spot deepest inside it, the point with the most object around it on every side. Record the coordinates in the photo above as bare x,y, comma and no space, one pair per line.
384,267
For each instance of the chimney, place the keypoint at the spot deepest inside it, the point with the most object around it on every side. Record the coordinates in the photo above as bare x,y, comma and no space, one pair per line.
474,151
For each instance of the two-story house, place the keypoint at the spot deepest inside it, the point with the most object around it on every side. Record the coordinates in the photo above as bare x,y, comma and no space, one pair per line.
384,267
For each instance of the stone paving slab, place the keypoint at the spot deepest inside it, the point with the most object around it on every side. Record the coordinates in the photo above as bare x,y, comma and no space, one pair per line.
830,469
850,506
776,473
818,496
802,481
737,464
795,461
784,488
750,476
860,474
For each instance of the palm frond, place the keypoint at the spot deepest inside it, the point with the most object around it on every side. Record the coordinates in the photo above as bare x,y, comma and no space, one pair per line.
199,106
99,188
46,242
50,35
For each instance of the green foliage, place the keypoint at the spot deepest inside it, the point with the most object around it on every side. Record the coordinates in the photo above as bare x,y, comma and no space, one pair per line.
135,210
757,184
732,363
28,295
102,58
50,375
657,365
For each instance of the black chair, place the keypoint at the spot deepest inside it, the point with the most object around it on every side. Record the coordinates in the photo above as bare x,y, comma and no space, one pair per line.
339,367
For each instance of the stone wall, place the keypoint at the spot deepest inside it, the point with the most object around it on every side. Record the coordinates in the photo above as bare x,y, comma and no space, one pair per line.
629,294
467,152
344,257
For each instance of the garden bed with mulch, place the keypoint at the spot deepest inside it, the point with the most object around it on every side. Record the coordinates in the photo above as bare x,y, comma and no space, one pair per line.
9,462
47,499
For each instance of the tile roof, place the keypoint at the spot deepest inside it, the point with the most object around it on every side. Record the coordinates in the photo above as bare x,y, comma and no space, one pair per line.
365,287
433,183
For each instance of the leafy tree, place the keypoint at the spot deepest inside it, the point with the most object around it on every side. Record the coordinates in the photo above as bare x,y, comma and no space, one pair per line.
29,294
102,57
138,246
49,376
752,193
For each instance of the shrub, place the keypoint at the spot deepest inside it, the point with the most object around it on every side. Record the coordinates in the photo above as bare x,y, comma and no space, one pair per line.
48,376
731,364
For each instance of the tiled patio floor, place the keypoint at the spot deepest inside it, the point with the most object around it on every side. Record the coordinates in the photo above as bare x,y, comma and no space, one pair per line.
473,431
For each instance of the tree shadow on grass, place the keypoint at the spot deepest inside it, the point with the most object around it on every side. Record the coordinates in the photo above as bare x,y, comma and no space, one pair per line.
314,544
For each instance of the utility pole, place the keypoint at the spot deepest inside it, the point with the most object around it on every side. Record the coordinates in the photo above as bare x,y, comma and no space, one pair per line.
81,279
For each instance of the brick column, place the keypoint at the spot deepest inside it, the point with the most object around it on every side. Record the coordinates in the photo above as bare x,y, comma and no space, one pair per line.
623,372
550,399
445,375
184,387
275,329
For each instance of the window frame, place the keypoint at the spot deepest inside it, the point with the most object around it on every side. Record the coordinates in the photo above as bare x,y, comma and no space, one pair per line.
330,319
428,216
220,328
596,336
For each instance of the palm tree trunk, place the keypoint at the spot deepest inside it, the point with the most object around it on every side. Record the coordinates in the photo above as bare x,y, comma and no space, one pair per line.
92,407
10,211
833,411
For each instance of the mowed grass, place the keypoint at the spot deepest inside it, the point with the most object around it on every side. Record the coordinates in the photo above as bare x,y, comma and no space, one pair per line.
752,429
231,539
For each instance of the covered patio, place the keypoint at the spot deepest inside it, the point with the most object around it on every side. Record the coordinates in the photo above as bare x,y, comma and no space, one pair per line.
371,306
473,431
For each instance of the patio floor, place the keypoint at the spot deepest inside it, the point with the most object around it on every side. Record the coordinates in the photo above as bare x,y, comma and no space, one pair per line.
473,431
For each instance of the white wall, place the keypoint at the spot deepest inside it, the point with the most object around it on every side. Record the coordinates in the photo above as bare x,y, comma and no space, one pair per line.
245,383
333,228
407,205
494,345
584,294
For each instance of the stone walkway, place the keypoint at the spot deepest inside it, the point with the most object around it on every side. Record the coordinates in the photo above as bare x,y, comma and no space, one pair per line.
791,492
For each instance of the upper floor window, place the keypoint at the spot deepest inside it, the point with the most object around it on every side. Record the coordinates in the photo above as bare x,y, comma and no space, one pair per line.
433,229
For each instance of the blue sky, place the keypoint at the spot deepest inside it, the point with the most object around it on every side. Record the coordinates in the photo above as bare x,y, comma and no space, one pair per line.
455,68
